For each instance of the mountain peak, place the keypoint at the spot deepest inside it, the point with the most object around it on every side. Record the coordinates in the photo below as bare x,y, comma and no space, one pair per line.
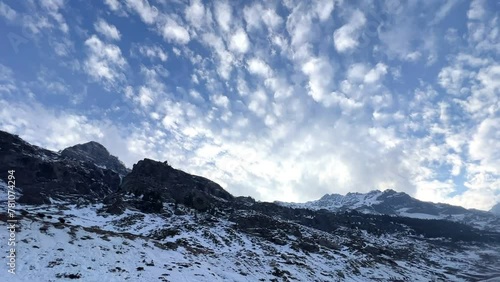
158,182
96,153
496,209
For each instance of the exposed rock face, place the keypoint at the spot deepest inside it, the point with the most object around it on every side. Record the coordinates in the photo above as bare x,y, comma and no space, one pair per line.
97,154
42,174
156,182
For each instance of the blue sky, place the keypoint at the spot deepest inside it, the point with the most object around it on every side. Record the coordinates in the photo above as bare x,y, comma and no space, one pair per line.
280,100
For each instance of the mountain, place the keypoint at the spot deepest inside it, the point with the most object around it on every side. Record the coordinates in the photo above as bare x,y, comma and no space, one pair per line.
496,209
160,223
155,183
394,203
97,154
46,176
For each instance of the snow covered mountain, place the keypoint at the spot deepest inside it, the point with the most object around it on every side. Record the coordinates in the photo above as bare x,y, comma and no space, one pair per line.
496,209
394,203
163,224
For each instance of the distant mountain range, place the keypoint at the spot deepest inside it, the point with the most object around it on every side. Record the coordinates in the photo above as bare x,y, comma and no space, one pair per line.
394,203
81,214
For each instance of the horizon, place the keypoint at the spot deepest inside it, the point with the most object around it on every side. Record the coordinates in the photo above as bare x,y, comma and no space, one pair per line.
302,202
280,101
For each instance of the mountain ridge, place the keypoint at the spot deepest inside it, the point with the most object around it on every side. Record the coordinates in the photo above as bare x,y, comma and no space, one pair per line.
395,203
158,222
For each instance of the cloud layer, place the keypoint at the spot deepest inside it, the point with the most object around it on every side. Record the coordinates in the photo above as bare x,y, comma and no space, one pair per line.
277,100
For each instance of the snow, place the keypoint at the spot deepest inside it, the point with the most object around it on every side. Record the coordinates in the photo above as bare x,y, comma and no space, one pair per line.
94,244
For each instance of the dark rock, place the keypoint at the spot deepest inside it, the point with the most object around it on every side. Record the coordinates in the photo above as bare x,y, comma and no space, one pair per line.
97,154
157,183
42,174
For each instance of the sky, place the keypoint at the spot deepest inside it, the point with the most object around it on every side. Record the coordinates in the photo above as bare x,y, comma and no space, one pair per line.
279,100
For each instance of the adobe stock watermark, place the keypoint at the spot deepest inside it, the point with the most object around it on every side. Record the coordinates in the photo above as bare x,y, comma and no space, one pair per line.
16,39
11,221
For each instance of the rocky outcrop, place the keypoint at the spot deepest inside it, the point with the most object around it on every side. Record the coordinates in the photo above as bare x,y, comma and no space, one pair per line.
97,154
42,174
154,183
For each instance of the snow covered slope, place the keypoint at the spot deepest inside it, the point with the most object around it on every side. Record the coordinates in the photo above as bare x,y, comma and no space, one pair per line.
395,203
65,242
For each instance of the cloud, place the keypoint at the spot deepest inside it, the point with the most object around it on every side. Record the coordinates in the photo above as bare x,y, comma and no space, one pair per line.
223,15
104,61
153,52
320,75
224,58
256,14
195,13
53,7
107,30
254,96
259,67
476,10
239,41
114,5
7,12
174,32
452,78
346,37
324,9
147,12
361,73
485,147
7,82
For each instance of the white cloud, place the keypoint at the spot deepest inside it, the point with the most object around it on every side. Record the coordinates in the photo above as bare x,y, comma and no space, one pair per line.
376,73
174,32
346,37
452,78
114,5
153,51
223,15
259,67
324,8
104,62
220,100
108,30
224,58
239,41
7,12
476,10
361,73
147,12
485,145
195,13
7,82
256,14
320,75
53,7
146,97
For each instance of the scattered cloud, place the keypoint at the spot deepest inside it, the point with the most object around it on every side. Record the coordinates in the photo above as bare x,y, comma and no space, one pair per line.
346,37
104,61
277,100
107,30
174,32
7,12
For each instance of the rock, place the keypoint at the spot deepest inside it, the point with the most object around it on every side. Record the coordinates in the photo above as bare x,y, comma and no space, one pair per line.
42,174
97,154
157,182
